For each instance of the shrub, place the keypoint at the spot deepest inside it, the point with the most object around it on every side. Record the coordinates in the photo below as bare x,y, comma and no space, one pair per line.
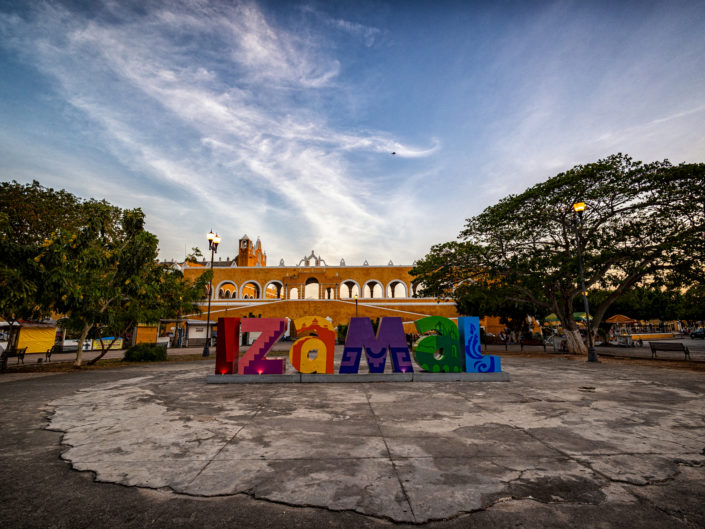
145,352
342,332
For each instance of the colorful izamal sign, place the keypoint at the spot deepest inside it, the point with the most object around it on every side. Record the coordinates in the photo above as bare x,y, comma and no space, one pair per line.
448,348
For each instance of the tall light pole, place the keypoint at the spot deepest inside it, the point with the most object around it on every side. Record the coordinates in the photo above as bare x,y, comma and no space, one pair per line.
213,242
356,305
578,209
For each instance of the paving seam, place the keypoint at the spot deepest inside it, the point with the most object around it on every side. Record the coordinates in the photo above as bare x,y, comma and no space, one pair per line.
643,500
547,444
259,409
389,454
586,465
502,499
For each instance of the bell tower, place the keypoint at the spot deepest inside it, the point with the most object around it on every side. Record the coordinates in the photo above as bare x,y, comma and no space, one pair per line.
244,250
250,254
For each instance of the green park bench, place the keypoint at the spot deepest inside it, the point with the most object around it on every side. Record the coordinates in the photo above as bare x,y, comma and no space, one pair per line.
669,346
532,341
495,340
10,353
55,349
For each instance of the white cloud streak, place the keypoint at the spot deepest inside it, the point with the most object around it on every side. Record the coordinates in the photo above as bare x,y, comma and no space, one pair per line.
578,86
203,99
231,115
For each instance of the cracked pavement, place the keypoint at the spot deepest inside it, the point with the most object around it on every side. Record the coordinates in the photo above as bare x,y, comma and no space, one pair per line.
562,442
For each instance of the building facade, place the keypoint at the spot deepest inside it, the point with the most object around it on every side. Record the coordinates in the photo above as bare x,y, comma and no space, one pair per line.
313,288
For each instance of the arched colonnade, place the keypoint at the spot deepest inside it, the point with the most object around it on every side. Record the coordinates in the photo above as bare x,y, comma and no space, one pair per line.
313,288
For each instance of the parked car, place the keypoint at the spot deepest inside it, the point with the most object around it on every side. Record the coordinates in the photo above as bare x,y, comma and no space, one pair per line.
698,333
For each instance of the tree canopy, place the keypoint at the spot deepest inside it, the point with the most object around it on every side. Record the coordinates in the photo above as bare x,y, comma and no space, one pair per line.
90,261
29,215
644,224
648,302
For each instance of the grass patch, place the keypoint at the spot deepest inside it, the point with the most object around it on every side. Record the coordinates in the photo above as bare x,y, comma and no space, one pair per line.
106,363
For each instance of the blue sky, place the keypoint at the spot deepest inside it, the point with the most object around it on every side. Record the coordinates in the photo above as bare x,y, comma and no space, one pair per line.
278,119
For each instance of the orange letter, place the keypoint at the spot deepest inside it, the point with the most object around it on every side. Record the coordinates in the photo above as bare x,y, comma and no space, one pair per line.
324,344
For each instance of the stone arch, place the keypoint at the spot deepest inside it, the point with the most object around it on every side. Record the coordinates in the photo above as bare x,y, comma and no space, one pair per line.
293,293
274,289
415,287
373,289
349,289
251,289
312,288
468,280
396,288
226,289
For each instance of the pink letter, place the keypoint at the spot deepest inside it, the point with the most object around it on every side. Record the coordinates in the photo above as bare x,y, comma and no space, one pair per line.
253,362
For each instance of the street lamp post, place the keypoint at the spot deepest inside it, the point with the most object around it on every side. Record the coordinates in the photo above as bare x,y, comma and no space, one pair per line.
356,305
213,242
578,209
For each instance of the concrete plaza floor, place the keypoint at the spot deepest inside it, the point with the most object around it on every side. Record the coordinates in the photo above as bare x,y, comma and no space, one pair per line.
562,443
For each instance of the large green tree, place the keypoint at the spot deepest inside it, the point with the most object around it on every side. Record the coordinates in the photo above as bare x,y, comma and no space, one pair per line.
644,223
105,277
87,260
29,215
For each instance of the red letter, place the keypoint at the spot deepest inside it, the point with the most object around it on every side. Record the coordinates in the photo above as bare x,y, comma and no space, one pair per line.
227,349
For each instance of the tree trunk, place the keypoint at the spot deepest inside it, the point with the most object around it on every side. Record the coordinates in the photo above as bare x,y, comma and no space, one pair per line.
104,349
13,333
575,342
79,352
564,311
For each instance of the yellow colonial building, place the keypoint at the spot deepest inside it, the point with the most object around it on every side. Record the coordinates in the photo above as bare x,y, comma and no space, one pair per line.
312,287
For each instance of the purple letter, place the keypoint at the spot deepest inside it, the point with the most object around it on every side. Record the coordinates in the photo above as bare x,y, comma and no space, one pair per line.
390,336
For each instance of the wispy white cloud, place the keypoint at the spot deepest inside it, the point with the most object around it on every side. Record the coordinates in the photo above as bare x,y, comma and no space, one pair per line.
577,86
222,123
366,33
281,124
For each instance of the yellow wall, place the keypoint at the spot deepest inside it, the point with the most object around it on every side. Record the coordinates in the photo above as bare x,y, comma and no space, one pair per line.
95,345
340,311
652,336
36,339
238,281
146,334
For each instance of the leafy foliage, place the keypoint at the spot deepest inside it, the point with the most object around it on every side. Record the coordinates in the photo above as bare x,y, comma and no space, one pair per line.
342,330
645,224
194,256
97,265
648,302
692,307
29,215
145,352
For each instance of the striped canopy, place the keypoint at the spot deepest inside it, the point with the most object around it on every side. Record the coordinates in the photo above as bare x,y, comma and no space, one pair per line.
620,318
